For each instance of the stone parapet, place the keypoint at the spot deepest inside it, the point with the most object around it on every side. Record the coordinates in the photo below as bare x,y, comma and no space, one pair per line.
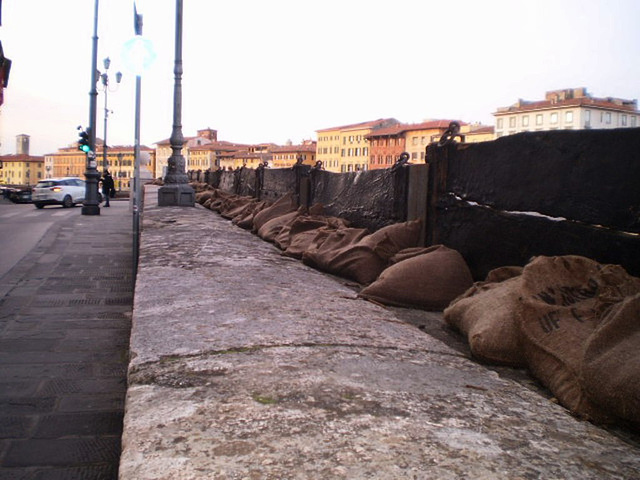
248,364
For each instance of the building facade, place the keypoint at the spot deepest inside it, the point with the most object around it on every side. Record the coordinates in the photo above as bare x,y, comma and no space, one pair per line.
163,151
386,145
21,169
288,155
476,133
71,162
346,148
568,109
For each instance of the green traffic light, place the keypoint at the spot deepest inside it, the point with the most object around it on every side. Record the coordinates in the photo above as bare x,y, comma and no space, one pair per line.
85,148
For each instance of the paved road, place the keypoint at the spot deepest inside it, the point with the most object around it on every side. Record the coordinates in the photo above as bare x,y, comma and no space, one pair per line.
65,319
22,227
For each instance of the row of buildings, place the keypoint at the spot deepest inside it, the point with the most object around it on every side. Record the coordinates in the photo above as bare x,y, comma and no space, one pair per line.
362,146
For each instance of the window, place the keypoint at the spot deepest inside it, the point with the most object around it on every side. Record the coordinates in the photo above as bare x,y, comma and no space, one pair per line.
587,118
554,118
539,119
500,123
568,117
624,120
525,121
414,141
512,122
607,118
633,121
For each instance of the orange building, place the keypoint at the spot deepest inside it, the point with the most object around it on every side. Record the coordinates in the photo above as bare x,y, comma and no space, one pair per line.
386,145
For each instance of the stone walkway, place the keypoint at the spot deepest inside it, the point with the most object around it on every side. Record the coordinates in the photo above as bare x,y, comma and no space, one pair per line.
65,319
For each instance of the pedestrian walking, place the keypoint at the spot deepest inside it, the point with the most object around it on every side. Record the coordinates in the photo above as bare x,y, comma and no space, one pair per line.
108,187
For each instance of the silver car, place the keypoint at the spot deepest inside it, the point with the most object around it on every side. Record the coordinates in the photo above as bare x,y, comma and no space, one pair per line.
66,191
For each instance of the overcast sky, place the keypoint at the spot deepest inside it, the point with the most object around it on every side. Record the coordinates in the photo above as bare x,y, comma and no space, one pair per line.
278,70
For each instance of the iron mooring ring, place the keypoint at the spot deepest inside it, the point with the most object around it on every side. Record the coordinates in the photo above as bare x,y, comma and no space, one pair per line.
450,134
402,160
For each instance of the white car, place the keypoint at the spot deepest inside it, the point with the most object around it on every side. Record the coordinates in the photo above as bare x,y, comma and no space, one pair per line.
66,191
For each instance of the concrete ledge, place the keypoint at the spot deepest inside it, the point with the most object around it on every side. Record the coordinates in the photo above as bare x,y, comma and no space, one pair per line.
247,364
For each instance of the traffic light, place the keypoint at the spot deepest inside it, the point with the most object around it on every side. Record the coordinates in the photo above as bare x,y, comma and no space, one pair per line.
83,142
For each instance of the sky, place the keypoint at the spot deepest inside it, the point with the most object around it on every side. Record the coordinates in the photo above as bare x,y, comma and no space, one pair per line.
273,71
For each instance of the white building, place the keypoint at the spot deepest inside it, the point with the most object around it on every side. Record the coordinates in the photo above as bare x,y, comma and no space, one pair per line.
569,109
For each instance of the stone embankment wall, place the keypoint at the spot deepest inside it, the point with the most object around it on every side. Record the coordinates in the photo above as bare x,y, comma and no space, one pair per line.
498,203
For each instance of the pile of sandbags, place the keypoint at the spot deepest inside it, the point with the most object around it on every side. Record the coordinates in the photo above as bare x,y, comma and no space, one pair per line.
323,242
573,322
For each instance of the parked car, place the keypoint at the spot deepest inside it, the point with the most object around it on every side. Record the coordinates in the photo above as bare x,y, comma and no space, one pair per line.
18,195
66,191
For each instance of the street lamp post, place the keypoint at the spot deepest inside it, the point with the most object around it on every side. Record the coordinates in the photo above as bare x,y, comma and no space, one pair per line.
91,206
105,88
176,190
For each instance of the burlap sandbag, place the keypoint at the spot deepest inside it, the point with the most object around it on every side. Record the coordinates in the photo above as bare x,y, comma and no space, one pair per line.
428,278
561,305
390,240
485,314
306,223
324,247
364,260
285,204
611,366
202,197
234,206
220,200
315,211
270,229
244,217
306,240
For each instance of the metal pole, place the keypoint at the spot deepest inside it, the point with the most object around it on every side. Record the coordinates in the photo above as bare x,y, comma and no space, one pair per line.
90,205
176,190
105,164
177,139
137,188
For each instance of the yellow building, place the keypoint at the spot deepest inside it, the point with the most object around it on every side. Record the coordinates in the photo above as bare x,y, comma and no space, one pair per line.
478,133
71,162
212,155
288,155
346,148
163,152
21,169
419,135
250,157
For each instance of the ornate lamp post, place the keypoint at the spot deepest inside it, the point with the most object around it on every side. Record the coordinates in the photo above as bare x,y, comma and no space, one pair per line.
105,88
176,190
